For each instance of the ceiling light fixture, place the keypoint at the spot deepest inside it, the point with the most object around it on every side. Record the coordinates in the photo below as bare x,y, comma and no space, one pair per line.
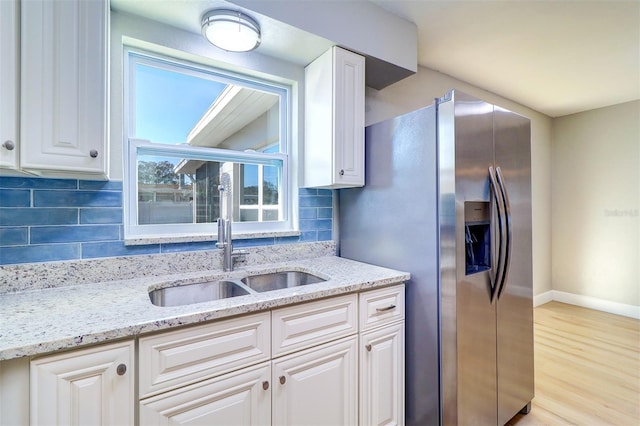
231,30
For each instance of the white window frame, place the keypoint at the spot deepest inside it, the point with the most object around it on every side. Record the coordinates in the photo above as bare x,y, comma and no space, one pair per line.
139,234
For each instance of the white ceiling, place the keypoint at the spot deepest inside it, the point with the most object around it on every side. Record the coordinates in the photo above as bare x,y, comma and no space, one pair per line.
557,57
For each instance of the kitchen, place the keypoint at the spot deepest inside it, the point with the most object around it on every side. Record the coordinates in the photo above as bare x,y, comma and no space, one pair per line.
554,145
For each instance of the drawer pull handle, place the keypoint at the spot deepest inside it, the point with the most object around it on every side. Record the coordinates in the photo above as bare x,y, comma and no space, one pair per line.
265,385
283,380
388,308
368,348
121,369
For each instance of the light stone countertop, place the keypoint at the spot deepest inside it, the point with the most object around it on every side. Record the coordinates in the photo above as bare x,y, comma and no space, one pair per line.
46,320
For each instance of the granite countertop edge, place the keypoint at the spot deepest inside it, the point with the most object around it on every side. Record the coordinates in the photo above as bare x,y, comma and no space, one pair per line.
49,320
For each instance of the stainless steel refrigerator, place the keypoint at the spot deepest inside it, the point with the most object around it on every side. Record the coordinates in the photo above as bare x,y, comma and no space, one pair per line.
447,198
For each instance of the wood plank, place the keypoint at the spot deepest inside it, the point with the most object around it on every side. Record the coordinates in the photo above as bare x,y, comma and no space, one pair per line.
587,368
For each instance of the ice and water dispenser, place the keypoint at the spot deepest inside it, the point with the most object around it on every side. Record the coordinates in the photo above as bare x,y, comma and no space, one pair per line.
477,228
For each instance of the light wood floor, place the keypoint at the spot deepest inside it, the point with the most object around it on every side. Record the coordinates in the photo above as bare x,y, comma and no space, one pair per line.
587,368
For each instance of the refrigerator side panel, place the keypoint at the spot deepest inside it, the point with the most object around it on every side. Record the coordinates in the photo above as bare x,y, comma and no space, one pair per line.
515,303
392,222
476,315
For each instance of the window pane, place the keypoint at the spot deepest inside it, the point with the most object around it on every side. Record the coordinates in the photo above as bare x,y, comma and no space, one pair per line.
177,104
164,196
174,188
248,215
249,188
270,186
269,215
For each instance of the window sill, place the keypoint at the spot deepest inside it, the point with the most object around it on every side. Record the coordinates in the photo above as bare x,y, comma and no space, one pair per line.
198,238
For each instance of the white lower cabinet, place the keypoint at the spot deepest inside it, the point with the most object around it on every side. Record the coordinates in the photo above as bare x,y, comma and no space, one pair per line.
239,398
92,386
382,376
318,386
329,362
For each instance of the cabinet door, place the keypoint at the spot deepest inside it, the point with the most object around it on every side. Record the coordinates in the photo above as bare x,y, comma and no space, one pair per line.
334,120
85,387
349,118
64,86
240,398
382,376
8,84
318,386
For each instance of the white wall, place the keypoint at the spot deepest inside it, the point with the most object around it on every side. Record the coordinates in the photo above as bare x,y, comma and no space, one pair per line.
595,202
420,89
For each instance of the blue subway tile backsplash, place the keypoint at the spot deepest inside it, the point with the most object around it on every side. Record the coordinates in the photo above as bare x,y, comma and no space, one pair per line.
43,220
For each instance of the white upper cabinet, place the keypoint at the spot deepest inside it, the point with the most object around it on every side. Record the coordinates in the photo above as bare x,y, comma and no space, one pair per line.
64,87
334,120
9,84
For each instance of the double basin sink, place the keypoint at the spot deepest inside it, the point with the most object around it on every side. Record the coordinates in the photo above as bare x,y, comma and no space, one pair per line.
223,289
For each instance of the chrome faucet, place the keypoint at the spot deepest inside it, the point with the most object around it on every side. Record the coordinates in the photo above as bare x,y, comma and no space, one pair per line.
226,244
225,241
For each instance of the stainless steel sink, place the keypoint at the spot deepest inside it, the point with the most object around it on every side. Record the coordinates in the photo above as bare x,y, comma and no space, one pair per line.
280,280
196,293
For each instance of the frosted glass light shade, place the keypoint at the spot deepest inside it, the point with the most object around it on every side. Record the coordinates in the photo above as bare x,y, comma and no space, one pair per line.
231,30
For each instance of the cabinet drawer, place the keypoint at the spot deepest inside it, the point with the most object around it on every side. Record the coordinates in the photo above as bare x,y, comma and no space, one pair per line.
309,324
380,307
177,358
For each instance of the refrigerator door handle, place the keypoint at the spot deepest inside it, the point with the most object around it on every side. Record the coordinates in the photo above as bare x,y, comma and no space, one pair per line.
497,194
507,210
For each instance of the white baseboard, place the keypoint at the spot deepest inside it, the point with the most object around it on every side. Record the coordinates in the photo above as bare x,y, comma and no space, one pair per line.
543,298
616,308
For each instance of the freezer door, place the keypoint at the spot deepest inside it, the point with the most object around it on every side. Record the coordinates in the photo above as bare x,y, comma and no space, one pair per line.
515,301
468,316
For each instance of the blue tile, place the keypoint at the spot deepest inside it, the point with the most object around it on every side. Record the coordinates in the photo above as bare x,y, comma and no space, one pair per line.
178,247
325,213
97,185
253,242
101,215
316,201
38,253
78,233
116,248
325,192
307,191
288,240
324,236
77,199
308,213
315,224
35,216
15,198
37,183
309,236
14,236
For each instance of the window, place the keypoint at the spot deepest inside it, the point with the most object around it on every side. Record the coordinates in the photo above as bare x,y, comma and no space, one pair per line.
192,129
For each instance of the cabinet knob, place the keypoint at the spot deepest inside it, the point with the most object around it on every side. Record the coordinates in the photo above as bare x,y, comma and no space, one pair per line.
368,348
9,145
93,153
121,369
341,172
283,380
265,385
